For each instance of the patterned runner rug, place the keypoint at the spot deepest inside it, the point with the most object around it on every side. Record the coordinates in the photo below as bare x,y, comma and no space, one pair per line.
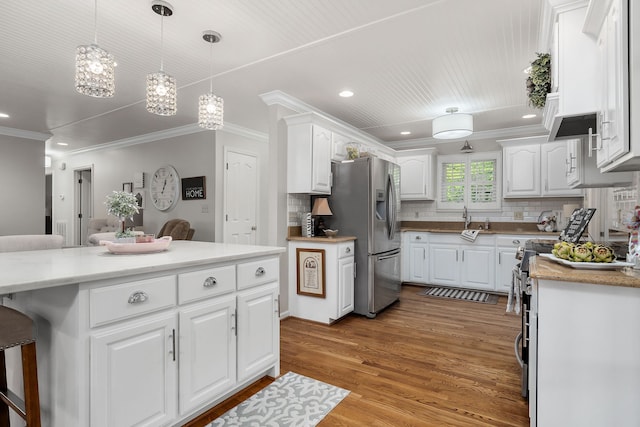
460,294
292,400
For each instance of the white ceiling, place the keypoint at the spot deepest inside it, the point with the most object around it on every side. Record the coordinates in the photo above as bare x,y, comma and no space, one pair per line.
406,61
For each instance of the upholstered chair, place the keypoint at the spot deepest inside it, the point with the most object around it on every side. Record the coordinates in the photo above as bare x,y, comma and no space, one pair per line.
178,229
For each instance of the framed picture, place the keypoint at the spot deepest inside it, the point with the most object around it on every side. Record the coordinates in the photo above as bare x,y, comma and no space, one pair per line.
310,269
127,186
194,188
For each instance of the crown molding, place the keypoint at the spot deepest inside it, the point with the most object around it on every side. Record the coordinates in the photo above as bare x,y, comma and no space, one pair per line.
515,132
277,97
26,134
171,133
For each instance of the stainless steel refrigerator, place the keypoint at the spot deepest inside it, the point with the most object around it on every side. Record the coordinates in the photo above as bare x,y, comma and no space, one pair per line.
365,203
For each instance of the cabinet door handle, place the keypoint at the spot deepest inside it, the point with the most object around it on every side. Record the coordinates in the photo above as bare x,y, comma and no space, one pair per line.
499,257
463,255
348,250
456,255
418,237
234,323
515,242
173,344
260,271
210,282
276,303
138,297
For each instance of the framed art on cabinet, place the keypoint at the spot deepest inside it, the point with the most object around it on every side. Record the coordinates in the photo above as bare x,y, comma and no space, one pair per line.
310,272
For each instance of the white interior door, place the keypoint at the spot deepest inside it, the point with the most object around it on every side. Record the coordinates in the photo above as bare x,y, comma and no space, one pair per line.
241,198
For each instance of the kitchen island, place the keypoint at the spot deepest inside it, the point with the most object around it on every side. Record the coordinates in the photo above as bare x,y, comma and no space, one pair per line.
584,346
149,339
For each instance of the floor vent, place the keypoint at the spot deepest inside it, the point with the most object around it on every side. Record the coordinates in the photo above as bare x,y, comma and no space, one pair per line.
460,294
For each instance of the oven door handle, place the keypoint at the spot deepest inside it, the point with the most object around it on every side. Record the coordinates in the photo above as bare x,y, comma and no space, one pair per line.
516,348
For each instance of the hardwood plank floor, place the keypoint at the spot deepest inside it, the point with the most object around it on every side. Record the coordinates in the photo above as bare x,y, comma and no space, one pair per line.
422,362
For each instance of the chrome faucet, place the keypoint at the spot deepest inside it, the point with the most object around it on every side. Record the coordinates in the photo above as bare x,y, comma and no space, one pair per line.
466,217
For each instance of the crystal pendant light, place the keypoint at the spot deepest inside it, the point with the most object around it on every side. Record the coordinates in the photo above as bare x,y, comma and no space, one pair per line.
211,107
95,75
161,87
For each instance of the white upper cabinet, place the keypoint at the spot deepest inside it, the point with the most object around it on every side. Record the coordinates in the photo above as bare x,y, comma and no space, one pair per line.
614,59
417,175
521,171
575,66
553,170
582,171
338,147
536,168
309,157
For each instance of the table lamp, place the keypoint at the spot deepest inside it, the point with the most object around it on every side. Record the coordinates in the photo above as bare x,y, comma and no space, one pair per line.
320,209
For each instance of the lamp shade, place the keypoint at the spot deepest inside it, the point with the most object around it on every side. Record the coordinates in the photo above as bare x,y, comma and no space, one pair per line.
321,207
452,126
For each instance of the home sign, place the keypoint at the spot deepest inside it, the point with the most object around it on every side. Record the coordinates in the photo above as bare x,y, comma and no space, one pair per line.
194,188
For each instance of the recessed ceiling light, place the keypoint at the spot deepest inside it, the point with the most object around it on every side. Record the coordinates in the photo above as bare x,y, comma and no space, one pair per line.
64,144
4,115
528,116
346,94
405,132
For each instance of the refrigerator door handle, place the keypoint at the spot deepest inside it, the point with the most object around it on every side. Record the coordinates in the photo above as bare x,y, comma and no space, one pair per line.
391,208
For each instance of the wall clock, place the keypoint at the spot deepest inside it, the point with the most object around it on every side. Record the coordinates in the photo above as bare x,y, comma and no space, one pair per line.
164,188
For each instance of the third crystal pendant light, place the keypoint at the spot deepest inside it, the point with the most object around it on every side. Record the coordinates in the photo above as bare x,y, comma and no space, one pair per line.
211,107
161,87
95,66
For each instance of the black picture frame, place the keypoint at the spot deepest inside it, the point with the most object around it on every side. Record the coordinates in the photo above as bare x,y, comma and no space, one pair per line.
127,186
194,188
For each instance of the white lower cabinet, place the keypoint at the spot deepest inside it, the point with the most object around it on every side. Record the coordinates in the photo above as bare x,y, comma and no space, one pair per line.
133,373
339,278
258,329
467,265
207,359
506,248
417,257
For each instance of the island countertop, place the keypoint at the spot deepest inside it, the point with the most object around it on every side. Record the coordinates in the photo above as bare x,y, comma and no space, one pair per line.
545,269
29,270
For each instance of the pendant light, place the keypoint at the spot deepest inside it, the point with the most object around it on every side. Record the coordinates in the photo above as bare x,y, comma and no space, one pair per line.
452,125
210,106
466,148
95,67
161,87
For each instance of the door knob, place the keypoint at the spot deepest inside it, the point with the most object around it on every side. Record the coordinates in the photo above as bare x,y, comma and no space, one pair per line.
253,228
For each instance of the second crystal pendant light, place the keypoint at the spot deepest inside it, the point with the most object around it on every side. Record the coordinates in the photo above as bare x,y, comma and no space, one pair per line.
161,87
210,106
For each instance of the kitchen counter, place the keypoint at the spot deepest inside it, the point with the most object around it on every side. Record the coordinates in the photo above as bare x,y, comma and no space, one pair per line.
545,269
29,270
526,228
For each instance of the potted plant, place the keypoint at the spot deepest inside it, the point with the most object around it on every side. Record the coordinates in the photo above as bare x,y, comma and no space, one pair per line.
539,80
122,205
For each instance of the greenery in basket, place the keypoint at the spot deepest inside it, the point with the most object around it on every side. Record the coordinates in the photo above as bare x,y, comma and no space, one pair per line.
122,205
539,80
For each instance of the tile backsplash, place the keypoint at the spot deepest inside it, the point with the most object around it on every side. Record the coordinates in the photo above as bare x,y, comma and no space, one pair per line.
426,210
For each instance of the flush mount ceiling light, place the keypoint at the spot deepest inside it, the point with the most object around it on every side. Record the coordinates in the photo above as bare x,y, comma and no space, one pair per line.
466,148
346,94
4,115
405,132
211,107
161,87
95,66
452,125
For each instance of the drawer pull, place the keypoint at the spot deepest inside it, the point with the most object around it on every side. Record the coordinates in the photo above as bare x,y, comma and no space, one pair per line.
138,297
210,282
348,250
260,271
516,242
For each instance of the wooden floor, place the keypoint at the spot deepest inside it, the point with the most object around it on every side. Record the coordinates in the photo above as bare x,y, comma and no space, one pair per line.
422,362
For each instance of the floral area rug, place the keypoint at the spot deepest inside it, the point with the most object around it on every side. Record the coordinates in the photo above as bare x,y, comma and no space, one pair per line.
292,400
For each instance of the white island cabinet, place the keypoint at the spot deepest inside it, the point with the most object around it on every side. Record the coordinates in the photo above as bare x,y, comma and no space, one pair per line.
583,358
148,339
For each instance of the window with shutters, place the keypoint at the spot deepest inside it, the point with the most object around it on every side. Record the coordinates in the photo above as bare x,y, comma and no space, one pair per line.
469,180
